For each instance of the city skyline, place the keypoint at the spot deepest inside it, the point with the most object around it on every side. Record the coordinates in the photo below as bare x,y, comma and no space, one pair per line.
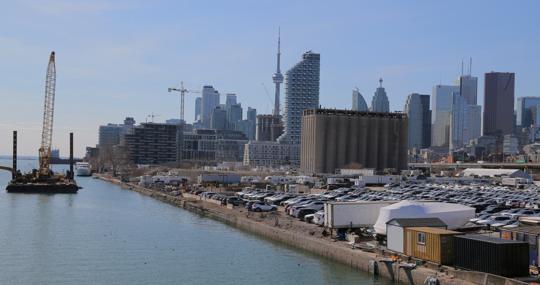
116,68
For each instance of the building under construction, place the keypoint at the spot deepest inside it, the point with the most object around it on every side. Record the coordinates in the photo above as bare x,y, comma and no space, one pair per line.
335,139
269,127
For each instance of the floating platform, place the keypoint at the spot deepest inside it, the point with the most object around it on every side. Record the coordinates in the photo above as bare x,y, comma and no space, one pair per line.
43,188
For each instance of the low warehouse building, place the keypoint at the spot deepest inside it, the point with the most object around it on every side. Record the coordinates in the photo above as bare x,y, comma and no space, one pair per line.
395,230
491,255
433,244
492,173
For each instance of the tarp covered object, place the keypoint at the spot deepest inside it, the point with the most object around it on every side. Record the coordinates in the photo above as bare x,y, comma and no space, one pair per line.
454,215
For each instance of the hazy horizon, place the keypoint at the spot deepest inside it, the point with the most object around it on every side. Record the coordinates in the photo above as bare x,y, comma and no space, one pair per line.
117,58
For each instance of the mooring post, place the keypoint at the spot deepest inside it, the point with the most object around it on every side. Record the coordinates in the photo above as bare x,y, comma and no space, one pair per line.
71,173
14,166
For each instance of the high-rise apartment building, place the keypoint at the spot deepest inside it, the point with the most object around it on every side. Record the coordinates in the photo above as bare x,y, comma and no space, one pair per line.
499,103
380,103
301,93
152,143
358,102
111,134
419,120
209,101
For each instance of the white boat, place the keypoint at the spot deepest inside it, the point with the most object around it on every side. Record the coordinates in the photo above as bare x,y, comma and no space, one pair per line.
83,169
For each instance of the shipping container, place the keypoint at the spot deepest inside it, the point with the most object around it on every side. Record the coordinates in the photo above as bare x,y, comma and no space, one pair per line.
395,230
491,255
530,235
432,244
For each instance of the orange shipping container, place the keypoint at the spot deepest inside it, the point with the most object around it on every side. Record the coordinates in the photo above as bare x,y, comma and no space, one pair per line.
433,244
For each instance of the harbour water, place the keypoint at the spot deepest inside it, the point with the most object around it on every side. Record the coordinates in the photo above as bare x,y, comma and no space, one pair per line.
107,235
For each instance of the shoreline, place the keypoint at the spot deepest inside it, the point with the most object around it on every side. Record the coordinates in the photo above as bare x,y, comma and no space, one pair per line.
336,251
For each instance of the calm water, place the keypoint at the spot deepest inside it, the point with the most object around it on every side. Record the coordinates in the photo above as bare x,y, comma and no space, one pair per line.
106,235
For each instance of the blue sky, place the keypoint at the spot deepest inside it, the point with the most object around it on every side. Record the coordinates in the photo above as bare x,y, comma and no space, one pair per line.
117,58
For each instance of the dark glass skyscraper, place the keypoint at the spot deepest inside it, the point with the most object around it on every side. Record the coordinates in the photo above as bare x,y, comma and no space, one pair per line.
499,103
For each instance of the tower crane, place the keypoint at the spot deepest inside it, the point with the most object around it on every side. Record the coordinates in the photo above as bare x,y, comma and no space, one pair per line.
183,91
48,113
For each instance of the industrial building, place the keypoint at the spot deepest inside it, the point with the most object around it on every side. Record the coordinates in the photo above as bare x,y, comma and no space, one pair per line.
334,139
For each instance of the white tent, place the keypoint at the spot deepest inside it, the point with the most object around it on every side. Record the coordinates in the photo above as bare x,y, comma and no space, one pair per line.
454,215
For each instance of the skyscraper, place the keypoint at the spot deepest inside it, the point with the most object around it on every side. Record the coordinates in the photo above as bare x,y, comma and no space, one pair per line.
457,120
198,106
358,102
251,114
468,88
209,101
277,77
466,116
441,113
380,103
230,100
219,119
234,115
499,103
426,121
301,93
419,120
525,107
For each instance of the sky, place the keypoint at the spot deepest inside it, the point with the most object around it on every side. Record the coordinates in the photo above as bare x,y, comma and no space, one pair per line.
117,58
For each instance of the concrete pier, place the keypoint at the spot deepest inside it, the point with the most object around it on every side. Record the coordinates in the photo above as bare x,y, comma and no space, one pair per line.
337,251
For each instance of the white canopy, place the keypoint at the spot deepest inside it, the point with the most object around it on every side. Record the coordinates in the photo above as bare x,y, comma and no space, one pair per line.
454,215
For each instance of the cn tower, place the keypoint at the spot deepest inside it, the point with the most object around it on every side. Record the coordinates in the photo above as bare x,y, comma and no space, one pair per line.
277,77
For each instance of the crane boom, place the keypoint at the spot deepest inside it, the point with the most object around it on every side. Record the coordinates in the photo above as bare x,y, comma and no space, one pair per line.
48,113
183,91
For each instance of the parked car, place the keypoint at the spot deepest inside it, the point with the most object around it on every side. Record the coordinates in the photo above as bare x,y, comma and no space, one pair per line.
260,207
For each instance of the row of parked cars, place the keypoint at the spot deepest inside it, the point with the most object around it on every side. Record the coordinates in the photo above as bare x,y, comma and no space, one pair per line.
309,208
496,206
